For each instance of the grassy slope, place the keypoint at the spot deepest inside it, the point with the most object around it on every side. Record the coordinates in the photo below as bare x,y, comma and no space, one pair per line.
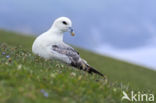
26,75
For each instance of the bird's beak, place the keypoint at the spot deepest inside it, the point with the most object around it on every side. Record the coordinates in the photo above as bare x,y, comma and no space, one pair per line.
71,31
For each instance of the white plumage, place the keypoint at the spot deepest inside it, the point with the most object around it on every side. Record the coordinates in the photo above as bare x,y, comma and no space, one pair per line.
50,45
54,36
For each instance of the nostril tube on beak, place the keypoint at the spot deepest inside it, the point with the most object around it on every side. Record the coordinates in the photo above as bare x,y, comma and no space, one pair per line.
71,29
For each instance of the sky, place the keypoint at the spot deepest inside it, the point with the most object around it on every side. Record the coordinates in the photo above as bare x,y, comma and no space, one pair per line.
124,29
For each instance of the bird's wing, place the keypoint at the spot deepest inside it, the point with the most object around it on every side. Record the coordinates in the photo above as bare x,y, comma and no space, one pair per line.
63,49
74,57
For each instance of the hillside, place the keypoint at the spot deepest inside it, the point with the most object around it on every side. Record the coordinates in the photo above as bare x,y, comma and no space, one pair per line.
25,77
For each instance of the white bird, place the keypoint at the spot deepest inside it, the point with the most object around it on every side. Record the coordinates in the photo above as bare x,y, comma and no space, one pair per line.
50,45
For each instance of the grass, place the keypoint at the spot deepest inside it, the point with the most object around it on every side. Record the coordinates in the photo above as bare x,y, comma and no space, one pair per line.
26,78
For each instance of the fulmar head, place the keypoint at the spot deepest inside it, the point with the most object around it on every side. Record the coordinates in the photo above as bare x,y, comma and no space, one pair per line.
63,24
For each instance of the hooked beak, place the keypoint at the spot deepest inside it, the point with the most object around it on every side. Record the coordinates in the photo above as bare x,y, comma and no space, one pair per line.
71,31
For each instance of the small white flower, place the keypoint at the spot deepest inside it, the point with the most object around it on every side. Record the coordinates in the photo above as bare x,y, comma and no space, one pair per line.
73,74
19,66
53,75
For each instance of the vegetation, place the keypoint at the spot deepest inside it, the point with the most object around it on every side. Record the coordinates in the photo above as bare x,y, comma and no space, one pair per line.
26,78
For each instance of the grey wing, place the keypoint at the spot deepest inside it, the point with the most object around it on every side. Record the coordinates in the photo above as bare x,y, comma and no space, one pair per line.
68,51
74,57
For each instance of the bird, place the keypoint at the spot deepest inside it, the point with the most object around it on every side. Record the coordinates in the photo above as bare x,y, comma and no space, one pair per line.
50,45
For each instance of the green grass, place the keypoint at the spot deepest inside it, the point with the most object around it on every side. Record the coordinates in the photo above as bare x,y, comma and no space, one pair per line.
26,78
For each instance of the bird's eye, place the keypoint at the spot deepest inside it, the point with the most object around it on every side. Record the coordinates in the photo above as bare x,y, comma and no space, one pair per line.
65,23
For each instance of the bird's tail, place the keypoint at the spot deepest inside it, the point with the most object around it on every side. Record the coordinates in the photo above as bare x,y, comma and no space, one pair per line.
85,67
91,70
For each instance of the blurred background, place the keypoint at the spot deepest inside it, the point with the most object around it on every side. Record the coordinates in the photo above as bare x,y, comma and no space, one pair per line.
124,29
